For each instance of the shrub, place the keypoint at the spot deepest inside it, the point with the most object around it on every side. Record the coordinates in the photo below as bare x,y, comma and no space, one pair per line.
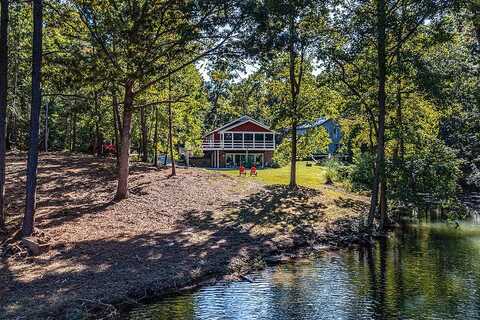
361,172
336,171
433,169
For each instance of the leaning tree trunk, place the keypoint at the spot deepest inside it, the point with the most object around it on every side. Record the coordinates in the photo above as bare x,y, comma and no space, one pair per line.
124,161
170,127
32,163
3,103
379,178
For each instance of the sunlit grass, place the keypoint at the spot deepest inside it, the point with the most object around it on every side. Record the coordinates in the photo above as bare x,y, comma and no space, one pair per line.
313,176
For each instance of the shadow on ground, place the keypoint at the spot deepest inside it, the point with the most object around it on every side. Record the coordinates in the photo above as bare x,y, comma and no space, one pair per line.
86,274
93,272
65,183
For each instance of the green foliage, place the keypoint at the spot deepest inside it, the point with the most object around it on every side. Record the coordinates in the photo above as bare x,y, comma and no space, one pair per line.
449,74
433,170
91,48
361,174
336,171
314,141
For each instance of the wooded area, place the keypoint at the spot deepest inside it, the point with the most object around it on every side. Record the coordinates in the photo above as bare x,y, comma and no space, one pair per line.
102,102
401,77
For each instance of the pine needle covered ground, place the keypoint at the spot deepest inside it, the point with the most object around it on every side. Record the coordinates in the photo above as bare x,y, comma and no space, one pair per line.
170,232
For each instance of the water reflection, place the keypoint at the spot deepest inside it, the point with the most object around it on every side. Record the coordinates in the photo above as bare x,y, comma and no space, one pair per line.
427,271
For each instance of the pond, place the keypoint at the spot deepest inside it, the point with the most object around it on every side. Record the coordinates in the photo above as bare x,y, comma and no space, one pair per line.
423,271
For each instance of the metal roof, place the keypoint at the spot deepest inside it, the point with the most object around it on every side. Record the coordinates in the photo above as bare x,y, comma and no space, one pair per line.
317,123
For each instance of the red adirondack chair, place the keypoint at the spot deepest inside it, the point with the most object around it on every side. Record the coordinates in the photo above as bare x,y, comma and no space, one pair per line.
242,170
253,171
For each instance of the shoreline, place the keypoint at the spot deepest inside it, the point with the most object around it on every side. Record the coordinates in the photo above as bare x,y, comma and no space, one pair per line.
170,234
145,296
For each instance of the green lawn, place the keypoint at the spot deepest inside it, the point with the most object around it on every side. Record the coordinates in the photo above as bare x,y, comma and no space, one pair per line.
313,176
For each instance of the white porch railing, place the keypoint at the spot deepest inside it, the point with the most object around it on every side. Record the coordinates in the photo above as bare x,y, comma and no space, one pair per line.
238,145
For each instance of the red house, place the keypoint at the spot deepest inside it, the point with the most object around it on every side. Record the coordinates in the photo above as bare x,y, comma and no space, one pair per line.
242,141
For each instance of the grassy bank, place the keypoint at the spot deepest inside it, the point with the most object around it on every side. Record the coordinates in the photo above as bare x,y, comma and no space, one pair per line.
307,176
170,232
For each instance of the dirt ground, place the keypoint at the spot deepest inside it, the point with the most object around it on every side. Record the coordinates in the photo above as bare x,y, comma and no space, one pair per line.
170,233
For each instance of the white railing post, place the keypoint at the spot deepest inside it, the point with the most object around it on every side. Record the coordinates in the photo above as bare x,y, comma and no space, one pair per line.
243,140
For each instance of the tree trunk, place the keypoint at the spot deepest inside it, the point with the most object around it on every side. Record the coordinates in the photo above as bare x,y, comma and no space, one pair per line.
123,168
170,127
399,111
155,139
293,160
74,132
399,153
400,141
12,127
32,162
116,126
98,142
144,130
379,178
294,91
383,205
46,128
3,103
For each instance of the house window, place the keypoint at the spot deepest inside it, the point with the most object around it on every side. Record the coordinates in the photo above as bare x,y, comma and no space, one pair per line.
268,137
227,140
248,140
258,137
